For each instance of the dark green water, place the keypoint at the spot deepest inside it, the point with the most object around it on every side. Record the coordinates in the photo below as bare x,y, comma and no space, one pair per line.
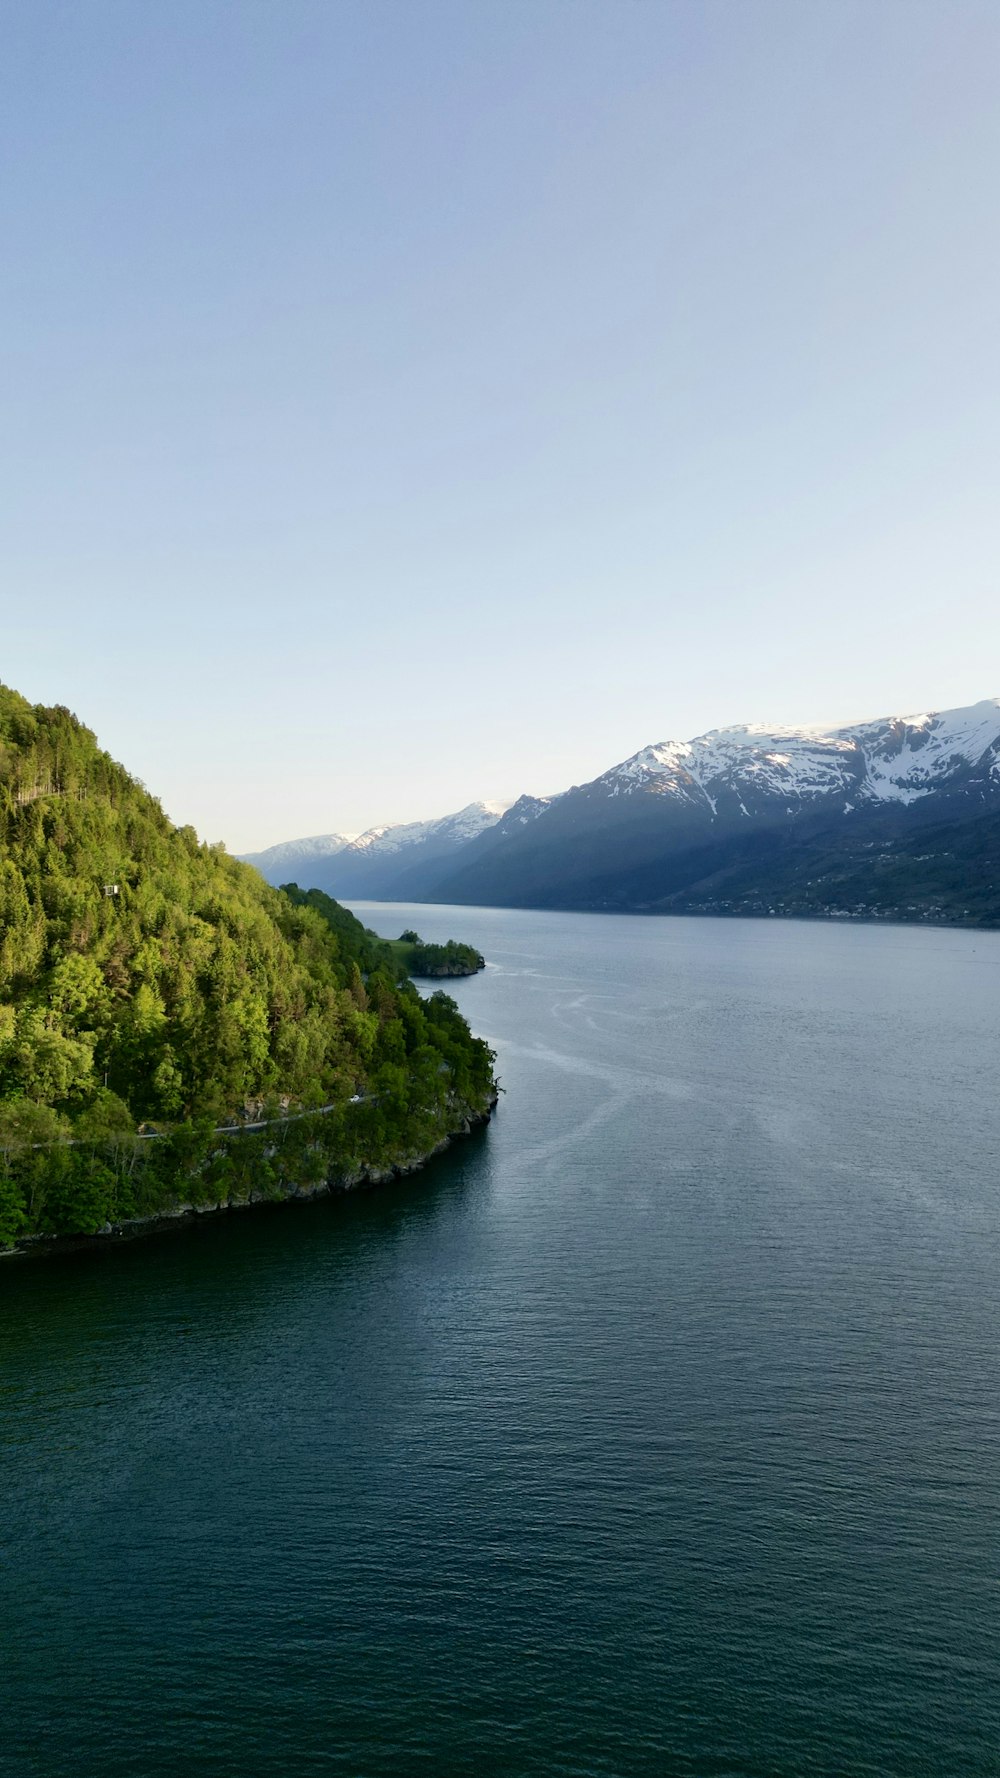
655,1431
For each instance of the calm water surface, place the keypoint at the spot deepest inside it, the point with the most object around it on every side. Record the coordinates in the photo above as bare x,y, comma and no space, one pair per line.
654,1431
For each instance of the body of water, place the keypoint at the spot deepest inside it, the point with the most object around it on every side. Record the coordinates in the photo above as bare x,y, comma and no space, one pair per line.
654,1430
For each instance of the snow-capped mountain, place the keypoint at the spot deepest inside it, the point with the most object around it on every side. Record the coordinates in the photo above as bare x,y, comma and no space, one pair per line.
895,760
911,756
683,813
714,823
365,859
474,819
274,863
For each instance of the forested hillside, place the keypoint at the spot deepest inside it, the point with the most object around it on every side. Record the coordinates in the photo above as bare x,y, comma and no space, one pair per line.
147,979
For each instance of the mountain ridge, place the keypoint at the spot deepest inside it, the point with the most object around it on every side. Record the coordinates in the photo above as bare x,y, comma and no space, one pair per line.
361,854
660,830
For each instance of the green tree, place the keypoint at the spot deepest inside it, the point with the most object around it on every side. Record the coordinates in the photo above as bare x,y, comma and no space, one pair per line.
192,992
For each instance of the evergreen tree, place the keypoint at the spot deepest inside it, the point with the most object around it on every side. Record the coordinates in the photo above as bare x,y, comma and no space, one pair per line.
148,979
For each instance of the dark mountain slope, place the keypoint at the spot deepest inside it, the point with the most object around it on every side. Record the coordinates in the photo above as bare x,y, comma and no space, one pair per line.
584,851
922,870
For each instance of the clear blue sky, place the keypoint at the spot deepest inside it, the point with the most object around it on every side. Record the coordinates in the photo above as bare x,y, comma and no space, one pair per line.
405,403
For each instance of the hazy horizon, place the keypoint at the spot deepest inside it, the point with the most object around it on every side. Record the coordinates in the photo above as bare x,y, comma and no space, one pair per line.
411,406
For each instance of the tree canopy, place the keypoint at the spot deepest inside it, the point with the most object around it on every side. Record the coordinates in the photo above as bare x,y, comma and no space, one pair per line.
149,978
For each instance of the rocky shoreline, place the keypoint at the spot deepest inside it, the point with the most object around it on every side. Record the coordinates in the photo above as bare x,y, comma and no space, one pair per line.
362,1179
450,972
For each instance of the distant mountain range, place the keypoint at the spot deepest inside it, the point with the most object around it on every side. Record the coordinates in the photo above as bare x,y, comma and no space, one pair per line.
896,818
362,864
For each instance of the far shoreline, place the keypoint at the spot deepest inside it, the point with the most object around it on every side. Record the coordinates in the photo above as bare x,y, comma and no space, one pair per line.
895,919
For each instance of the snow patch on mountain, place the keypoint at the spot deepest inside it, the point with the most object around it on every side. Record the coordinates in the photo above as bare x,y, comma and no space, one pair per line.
897,759
525,810
748,759
455,829
319,845
910,756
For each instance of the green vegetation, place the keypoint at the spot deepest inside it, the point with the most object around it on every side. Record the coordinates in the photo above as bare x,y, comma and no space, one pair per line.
418,958
149,983
875,869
